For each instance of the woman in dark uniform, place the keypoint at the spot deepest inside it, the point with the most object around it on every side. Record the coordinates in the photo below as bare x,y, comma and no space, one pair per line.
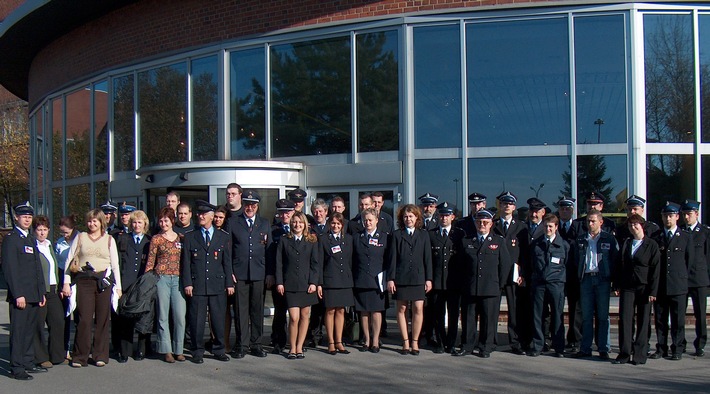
409,273
370,247
636,282
336,285
297,272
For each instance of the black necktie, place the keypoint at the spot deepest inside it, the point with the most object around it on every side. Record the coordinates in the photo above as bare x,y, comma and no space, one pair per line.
286,228
445,233
321,227
138,240
207,238
505,226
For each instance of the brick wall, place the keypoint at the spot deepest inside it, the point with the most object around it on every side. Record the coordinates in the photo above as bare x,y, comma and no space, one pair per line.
153,27
6,7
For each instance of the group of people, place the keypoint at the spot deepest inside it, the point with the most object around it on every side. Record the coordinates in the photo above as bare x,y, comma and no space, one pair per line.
125,281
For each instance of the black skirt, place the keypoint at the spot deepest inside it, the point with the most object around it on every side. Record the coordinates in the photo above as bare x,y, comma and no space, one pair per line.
338,298
409,293
300,299
369,300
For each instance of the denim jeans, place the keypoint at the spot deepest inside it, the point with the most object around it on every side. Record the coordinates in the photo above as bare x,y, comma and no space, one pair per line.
171,297
594,296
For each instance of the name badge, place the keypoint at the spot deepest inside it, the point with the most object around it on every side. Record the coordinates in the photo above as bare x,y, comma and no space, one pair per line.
373,241
335,249
555,260
178,245
29,249
606,246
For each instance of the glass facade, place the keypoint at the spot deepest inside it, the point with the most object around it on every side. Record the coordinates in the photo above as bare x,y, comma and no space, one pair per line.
544,102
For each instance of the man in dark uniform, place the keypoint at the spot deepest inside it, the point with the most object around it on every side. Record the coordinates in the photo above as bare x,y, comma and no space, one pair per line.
234,206
536,211
677,254
485,265
378,201
22,269
515,289
206,274
595,201
698,278
476,202
109,209
428,203
636,205
284,212
319,208
124,217
565,211
251,235
117,323
548,265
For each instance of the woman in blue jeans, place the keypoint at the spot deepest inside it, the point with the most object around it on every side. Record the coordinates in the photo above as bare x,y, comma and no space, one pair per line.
164,258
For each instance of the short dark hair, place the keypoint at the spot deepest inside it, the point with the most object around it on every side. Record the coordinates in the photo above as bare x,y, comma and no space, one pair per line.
167,212
40,220
377,194
234,186
365,195
636,218
550,218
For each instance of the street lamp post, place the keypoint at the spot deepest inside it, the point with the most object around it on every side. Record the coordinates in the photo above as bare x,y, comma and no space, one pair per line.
599,122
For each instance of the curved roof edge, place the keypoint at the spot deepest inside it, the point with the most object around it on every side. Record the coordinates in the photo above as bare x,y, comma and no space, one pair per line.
21,38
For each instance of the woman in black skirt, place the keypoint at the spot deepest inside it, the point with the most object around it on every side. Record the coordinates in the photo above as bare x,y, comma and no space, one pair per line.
336,285
409,273
297,272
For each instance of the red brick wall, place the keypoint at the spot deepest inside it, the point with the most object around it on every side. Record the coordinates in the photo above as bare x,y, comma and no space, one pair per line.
152,27
6,7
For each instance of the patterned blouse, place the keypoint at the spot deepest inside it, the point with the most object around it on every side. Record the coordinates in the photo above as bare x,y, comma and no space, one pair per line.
167,255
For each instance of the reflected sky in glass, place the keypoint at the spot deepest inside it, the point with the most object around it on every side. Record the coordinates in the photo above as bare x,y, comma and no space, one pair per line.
441,177
248,114
668,178
704,44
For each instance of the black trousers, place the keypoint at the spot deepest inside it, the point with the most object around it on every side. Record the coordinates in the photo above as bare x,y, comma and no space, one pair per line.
315,325
673,306
524,316
53,314
199,305
574,313
434,326
250,308
552,294
23,323
511,298
278,325
487,308
453,308
125,330
634,303
699,297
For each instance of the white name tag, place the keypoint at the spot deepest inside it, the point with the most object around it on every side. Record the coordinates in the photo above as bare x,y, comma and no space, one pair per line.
335,249
29,249
373,241
555,260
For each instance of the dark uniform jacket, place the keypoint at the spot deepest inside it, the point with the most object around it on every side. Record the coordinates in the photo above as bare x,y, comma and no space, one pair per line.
641,269
277,231
549,265
676,256
410,258
517,240
249,247
297,264
369,256
355,226
22,268
208,269
539,232
132,258
445,272
607,248
485,266
579,227
432,224
698,270
337,257
315,229
467,225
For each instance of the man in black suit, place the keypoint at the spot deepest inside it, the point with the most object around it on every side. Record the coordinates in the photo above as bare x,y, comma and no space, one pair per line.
385,219
109,209
25,294
536,211
234,206
698,278
485,265
677,254
428,204
476,202
251,235
284,212
515,289
206,273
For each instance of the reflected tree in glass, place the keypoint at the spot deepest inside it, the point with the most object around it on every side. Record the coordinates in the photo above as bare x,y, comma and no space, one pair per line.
162,98
57,139
704,45
248,115
377,92
123,124
670,81
311,105
591,177
100,127
204,109
669,178
78,200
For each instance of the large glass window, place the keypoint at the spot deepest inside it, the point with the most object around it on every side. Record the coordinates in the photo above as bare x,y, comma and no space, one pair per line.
377,91
247,103
442,178
100,127
705,192
78,200
58,207
704,44
162,103
670,81
57,139
124,139
78,133
437,86
310,103
541,177
605,174
518,83
668,178
204,108
600,77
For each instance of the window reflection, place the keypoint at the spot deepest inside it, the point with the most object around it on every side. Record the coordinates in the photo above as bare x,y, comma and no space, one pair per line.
101,193
78,133
162,101
204,108
705,192
311,106
58,208
668,178
440,177
605,174
704,44
78,200
518,83
600,77
248,114
542,177
100,127
377,92
123,124
57,139
670,82
437,87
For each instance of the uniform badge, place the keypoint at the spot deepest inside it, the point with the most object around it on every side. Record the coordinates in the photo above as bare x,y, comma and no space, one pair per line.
335,249
513,242
492,246
373,241
29,249
178,245
215,255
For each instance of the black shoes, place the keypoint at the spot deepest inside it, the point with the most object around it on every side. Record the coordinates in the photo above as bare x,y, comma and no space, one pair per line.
483,354
36,369
582,355
518,351
658,354
559,355
374,349
676,356
21,376
121,358
620,360
258,352
139,356
344,350
438,350
197,360
238,353
604,356
699,353
533,353
277,349
460,353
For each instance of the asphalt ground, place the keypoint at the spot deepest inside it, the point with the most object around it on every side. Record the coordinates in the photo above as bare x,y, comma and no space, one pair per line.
387,371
